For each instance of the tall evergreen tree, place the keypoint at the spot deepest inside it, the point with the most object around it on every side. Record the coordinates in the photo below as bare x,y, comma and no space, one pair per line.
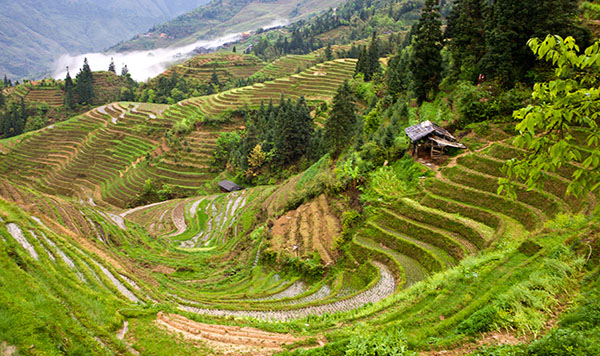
304,128
342,121
511,23
466,31
292,131
328,52
426,61
368,59
361,65
373,55
111,66
124,70
70,101
85,86
214,79
398,74
14,118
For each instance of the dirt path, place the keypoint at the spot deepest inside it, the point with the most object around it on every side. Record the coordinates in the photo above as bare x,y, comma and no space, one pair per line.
123,331
178,218
224,339
131,211
454,160
121,336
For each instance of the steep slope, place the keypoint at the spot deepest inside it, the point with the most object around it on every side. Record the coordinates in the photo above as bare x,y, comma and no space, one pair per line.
34,33
109,153
428,262
225,16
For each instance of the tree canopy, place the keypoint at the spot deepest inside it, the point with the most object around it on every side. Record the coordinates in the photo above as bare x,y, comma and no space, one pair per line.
569,101
426,62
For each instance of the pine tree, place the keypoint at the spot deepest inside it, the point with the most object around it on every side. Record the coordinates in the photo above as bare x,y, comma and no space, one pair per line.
498,60
303,128
214,79
398,74
361,65
342,121
22,117
466,24
426,61
111,66
373,65
328,53
511,23
85,86
70,101
317,145
234,49
292,131
124,70
14,118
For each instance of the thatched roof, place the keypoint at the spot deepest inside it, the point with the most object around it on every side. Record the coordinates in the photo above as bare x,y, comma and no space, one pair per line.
229,186
426,128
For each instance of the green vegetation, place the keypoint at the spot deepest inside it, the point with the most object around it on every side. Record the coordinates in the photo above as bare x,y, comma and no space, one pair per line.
116,237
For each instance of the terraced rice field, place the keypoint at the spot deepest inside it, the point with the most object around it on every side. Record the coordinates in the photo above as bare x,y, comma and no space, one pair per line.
228,66
195,222
105,156
459,213
288,65
318,83
425,262
311,227
201,257
66,255
87,153
54,97
227,339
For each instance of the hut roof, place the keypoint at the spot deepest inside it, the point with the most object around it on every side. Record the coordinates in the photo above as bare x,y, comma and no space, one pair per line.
447,143
424,129
229,186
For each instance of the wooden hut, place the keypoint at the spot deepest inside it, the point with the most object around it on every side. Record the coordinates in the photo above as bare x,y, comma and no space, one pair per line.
228,186
431,138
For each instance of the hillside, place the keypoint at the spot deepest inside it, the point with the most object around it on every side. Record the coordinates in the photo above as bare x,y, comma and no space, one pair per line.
375,195
222,17
34,33
111,151
478,249
44,102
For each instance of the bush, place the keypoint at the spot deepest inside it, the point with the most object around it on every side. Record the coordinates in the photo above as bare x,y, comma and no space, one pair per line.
474,104
387,342
320,183
480,321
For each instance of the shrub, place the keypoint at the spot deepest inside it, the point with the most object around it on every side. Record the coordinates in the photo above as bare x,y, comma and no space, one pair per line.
480,321
387,342
474,104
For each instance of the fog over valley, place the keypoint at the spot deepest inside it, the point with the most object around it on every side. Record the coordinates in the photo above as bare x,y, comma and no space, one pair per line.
142,65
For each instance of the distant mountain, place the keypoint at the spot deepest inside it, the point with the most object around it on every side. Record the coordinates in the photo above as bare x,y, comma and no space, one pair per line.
33,33
221,17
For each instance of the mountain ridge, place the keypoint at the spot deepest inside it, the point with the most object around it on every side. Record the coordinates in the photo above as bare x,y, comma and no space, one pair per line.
34,33
224,16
